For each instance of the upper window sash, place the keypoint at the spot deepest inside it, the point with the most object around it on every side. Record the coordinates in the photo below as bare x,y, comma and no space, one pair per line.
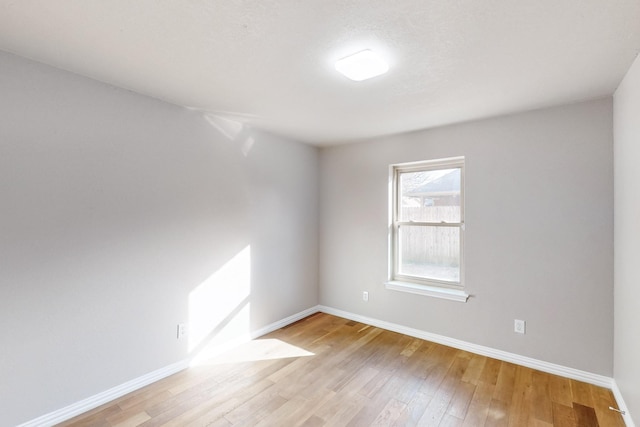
431,165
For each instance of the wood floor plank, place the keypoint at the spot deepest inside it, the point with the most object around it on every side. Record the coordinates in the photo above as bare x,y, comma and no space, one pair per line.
358,382
498,414
461,400
313,421
96,417
541,397
500,405
213,409
128,417
560,390
490,372
563,416
437,408
296,410
450,421
505,383
259,400
251,419
411,347
581,393
390,413
479,406
221,422
356,375
533,422
419,363
585,415
602,400
292,368
178,383
341,409
377,383
435,371
408,387
521,402
414,410
145,398
140,406
132,421
474,370
368,412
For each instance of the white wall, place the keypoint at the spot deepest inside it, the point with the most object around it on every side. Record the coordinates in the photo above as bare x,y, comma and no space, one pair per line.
115,210
627,238
539,235
120,212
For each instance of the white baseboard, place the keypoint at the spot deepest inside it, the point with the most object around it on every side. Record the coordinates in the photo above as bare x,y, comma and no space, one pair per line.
540,365
284,322
107,396
622,405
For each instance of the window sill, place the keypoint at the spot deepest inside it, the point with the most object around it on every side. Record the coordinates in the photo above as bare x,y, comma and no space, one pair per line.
430,291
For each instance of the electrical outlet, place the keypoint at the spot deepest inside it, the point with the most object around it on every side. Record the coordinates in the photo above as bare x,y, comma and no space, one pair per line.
182,331
519,326
365,296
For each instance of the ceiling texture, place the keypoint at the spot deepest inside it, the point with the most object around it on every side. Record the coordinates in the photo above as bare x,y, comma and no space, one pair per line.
270,63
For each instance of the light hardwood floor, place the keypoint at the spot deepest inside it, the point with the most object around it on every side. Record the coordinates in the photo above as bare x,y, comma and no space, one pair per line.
329,371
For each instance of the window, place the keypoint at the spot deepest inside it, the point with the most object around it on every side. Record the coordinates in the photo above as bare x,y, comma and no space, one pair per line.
427,228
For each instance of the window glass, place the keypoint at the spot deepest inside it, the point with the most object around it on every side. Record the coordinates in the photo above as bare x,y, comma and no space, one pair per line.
429,252
427,224
430,196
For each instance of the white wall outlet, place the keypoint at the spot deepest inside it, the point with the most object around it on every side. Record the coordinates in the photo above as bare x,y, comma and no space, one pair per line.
365,296
182,331
519,326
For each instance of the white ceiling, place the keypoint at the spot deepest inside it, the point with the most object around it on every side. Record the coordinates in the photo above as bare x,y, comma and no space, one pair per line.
269,63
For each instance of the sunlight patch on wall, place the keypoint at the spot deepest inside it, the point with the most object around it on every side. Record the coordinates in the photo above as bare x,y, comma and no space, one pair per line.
219,308
233,130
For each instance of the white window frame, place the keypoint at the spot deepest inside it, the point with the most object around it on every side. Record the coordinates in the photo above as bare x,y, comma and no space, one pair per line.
417,285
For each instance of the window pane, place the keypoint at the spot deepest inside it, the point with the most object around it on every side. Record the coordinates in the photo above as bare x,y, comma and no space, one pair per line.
430,196
429,252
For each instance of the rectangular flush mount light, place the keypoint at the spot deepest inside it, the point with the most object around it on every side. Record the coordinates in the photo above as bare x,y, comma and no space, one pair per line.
362,65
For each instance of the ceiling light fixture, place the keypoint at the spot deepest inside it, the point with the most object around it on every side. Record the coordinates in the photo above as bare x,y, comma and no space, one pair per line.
362,65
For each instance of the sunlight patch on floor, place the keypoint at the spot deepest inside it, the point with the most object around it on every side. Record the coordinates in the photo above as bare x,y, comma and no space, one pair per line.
252,351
